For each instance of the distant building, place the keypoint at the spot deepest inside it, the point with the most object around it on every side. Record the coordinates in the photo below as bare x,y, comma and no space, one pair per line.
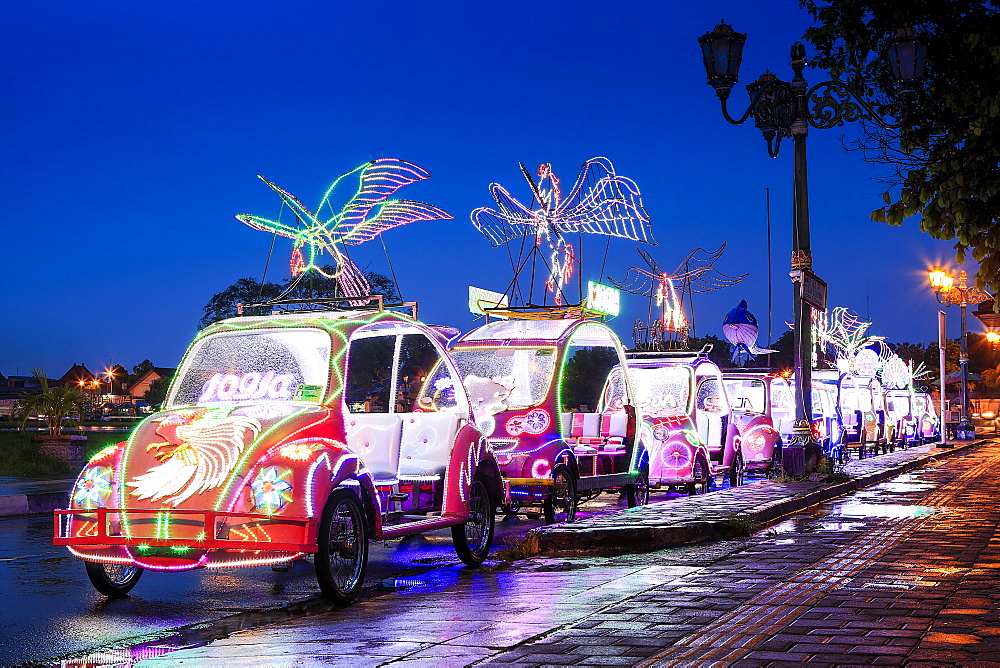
141,384
78,375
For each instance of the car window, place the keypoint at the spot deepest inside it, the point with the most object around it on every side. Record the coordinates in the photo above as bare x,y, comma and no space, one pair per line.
260,365
369,374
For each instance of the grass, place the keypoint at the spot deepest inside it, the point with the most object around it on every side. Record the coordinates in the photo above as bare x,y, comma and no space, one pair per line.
514,548
20,457
739,525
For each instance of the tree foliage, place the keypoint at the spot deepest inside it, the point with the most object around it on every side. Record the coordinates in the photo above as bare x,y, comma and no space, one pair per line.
946,160
312,284
157,391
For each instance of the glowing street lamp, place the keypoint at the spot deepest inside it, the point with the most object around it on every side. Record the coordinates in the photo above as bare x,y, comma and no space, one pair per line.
782,109
993,338
947,293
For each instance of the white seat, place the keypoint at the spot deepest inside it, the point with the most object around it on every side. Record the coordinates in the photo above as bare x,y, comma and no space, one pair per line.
710,428
426,443
376,438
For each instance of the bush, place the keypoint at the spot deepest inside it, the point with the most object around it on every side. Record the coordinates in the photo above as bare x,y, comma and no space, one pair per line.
19,456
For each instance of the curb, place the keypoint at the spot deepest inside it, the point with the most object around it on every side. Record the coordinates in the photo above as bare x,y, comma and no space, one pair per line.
30,504
637,539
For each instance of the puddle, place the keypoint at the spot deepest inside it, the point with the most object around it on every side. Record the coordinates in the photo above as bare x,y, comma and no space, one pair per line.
881,510
394,584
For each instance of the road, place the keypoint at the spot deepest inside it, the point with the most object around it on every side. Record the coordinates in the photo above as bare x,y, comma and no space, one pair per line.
51,610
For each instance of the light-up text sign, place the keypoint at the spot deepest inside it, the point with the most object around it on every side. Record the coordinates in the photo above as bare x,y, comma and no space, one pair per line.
603,298
248,387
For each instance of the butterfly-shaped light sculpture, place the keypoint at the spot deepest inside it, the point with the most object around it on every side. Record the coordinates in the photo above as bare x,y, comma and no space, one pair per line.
368,213
600,202
696,273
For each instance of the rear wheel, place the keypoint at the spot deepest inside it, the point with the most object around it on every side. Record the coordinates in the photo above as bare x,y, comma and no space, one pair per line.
561,504
737,472
637,494
113,580
473,539
701,481
343,547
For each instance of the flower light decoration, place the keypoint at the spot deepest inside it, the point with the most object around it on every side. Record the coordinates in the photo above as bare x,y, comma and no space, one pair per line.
270,489
94,487
695,274
367,214
600,202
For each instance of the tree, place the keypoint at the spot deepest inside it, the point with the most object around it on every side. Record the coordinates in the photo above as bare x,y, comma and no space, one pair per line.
50,404
312,284
139,369
945,161
721,352
157,391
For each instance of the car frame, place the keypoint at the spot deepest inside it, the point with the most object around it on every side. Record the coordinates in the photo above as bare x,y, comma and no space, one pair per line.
297,438
552,455
764,419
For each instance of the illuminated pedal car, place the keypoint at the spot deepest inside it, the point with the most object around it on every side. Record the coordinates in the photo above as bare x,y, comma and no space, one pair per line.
283,436
901,414
537,389
664,393
762,410
926,417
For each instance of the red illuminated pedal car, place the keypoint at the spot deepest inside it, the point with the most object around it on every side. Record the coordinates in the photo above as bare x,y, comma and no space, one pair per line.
287,436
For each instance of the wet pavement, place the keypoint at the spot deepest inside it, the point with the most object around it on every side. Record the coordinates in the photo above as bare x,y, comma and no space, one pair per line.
901,572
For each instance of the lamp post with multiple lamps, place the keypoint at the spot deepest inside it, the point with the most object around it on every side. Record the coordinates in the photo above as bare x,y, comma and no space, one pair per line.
947,293
782,109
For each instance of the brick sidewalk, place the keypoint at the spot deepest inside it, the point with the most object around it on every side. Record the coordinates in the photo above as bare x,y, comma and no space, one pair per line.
909,579
696,519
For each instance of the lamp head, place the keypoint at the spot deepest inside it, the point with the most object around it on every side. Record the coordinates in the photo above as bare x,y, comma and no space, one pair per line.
722,52
941,281
906,55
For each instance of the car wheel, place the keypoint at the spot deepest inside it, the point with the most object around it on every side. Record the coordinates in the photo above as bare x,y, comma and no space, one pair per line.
637,494
343,547
473,539
113,580
737,471
561,504
701,482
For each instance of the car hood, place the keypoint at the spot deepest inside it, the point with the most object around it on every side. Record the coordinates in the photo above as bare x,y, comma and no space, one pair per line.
195,457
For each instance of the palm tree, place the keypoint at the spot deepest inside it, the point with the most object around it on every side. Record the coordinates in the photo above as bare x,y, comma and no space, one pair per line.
51,404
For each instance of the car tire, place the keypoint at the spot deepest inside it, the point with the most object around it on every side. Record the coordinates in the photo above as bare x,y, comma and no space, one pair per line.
474,538
342,557
113,580
561,504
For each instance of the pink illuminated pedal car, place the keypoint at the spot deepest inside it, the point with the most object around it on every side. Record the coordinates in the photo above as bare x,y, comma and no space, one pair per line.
302,434
560,433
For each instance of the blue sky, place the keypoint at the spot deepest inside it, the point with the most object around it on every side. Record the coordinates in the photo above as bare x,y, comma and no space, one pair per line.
135,131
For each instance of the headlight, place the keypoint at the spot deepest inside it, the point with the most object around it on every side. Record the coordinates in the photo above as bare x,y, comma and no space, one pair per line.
660,433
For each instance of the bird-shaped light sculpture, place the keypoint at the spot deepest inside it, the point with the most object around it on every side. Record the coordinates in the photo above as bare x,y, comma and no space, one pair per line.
367,214
600,202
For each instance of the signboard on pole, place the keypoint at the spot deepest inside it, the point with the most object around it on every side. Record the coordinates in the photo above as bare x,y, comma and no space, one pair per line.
480,299
813,288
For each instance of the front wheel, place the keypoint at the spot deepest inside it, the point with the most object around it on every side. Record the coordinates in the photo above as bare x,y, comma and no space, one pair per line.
737,472
637,494
343,547
473,539
113,580
702,479
561,504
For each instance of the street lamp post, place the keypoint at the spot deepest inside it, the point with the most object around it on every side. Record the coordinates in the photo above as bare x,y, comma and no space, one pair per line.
963,295
783,109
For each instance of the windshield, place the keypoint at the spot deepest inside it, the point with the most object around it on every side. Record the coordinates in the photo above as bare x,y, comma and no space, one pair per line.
262,365
746,394
507,378
661,391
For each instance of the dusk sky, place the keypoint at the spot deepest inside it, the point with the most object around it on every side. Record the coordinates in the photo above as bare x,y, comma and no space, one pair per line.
134,133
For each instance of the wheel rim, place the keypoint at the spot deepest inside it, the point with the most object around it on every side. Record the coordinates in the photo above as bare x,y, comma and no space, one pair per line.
120,574
477,526
345,550
562,504
642,487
